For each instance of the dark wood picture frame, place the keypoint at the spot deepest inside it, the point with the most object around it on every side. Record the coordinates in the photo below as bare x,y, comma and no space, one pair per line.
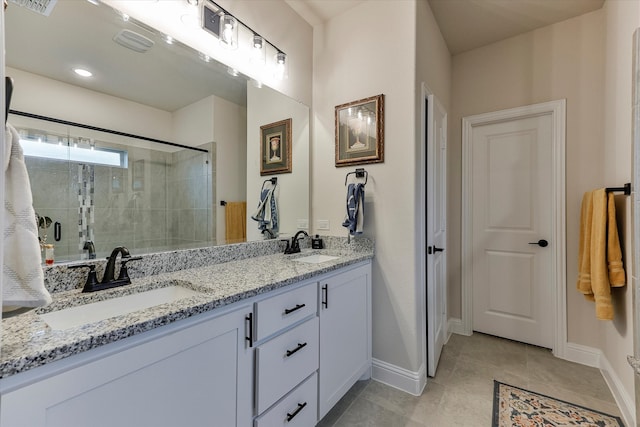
275,148
360,131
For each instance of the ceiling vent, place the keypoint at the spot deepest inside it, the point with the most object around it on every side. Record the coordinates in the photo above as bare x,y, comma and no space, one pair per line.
134,41
43,7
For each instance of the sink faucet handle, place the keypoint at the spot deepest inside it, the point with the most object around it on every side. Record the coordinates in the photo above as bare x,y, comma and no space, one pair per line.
92,278
288,248
124,273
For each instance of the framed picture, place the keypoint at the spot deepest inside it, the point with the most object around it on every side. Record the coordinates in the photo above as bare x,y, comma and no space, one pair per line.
360,132
275,148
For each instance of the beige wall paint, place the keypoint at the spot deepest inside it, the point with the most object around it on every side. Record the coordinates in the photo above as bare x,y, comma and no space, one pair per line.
564,60
350,65
622,19
269,106
282,26
230,136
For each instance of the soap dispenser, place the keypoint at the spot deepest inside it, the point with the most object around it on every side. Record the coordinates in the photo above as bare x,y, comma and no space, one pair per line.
316,242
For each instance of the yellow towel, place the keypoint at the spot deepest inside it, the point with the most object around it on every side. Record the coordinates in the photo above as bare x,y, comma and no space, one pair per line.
600,255
236,222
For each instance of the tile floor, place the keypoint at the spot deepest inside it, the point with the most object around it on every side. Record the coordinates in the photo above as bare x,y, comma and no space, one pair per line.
461,393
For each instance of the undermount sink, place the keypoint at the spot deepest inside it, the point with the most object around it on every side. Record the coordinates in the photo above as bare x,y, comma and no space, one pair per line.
316,258
101,310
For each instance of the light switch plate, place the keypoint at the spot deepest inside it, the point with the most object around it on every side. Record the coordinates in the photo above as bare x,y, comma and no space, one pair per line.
303,224
323,224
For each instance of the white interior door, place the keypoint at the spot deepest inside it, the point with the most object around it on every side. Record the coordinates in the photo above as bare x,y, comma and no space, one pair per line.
511,221
436,231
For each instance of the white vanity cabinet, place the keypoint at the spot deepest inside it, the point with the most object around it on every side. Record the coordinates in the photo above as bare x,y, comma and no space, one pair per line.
197,372
287,356
281,358
345,333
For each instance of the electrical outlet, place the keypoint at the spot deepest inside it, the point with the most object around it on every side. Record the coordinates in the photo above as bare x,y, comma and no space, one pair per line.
323,224
303,224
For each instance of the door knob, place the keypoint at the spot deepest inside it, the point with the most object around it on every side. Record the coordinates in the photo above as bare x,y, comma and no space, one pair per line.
542,243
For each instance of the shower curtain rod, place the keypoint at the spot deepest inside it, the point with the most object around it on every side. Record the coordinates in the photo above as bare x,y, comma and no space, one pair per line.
110,131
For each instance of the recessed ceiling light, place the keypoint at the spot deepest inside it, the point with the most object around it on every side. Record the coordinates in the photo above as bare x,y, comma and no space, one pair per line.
82,72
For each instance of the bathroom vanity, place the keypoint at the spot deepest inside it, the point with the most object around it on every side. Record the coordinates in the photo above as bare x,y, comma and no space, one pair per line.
263,341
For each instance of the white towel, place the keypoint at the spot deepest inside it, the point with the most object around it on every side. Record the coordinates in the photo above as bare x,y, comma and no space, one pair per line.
23,284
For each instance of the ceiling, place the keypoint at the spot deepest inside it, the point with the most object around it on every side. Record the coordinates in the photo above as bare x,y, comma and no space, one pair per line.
80,34
469,24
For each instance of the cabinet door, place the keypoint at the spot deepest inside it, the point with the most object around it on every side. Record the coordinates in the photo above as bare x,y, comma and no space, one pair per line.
197,376
345,334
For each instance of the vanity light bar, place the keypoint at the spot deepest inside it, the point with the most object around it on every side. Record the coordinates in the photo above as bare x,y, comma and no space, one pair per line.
211,16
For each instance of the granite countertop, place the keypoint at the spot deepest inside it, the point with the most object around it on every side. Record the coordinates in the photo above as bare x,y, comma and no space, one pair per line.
28,342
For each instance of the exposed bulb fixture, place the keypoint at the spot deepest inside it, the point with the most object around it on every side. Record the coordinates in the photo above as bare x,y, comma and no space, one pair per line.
204,57
82,72
125,17
229,32
232,71
258,52
168,39
281,66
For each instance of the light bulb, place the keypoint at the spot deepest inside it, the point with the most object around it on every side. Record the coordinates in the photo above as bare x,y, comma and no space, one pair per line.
281,66
229,32
258,51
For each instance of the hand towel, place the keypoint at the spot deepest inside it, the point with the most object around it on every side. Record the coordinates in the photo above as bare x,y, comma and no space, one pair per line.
584,247
235,222
267,211
354,218
23,279
602,256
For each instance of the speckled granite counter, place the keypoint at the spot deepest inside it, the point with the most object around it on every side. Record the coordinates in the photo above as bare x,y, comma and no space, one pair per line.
28,342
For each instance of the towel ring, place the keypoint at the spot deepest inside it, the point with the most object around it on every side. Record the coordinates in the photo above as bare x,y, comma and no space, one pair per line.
359,173
273,181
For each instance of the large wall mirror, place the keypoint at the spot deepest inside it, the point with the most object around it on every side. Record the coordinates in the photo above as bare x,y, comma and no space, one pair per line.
115,188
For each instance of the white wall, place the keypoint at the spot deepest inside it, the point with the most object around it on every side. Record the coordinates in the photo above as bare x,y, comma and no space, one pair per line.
193,124
622,19
43,96
230,174
351,63
564,60
269,106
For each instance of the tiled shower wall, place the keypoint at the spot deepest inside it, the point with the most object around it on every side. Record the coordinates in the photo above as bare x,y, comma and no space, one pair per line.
162,201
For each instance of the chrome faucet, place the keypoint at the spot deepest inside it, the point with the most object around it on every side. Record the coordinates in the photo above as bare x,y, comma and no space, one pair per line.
294,248
108,281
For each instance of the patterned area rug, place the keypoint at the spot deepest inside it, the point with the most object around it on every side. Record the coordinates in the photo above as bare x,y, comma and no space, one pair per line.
515,407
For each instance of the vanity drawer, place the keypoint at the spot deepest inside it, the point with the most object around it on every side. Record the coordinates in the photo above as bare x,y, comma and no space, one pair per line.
297,409
283,362
276,313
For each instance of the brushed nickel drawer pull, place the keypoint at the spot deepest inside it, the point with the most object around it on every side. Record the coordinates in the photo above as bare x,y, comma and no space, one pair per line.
298,348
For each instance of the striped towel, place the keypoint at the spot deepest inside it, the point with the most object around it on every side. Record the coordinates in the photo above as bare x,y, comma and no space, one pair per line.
354,219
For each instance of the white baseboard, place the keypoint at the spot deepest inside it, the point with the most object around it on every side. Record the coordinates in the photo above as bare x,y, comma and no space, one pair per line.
582,354
454,326
595,358
625,402
400,378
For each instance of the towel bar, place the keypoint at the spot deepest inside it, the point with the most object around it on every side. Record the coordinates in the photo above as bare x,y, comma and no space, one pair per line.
626,189
273,182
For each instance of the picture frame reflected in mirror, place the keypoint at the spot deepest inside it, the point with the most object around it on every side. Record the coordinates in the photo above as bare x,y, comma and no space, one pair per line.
275,147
